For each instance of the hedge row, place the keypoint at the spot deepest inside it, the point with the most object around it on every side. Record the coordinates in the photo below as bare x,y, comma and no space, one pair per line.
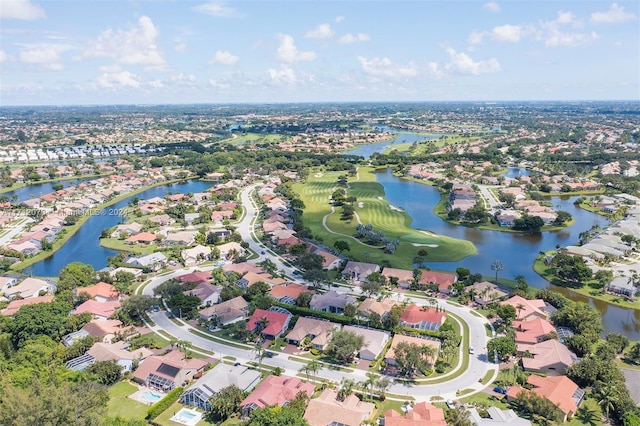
164,403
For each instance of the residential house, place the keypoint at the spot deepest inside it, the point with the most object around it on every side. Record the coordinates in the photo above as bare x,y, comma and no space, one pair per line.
390,357
199,394
14,306
196,255
359,271
497,417
181,238
271,324
527,310
318,331
127,229
444,280
98,310
330,261
422,318
288,292
115,352
30,287
486,292
420,414
560,390
6,282
404,276
195,277
230,250
327,409
374,341
100,292
153,261
531,332
141,238
190,218
550,357
250,278
243,268
622,286
331,301
373,306
274,390
167,372
106,330
227,312
207,293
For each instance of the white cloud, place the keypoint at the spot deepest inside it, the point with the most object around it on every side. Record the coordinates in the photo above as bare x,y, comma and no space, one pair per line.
322,31
118,80
556,38
507,33
46,56
3,56
137,46
614,15
284,75
461,63
224,58
350,38
218,9
180,47
385,67
289,53
565,17
476,37
340,19
492,6
21,9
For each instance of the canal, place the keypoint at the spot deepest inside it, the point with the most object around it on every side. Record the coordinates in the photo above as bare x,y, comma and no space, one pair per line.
84,246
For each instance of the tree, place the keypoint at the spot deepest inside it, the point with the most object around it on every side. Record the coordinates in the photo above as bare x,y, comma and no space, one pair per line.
371,287
310,261
315,276
133,309
184,346
227,401
303,300
412,358
606,400
344,345
507,313
579,345
634,353
562,217
350,310
382,384
369,383
105,372
497,266
618,342
260,352
581,318
503,346
43,319
346,388
259,288
603,277
341,245
74,275
313,366
458,417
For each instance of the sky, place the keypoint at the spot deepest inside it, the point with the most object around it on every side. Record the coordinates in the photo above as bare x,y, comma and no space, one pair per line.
87,52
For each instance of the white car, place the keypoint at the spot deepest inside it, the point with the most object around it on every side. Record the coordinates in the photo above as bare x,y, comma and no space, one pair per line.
451,404
471,350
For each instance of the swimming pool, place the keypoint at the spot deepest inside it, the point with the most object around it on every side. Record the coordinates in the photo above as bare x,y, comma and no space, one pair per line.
187,417
150,396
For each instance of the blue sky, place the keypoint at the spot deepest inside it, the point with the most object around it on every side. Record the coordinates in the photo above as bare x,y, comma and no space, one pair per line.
157,51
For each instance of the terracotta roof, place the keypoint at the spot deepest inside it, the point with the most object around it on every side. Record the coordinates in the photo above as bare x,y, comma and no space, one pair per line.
276,321
14,306
400,338
415,314
104,309
548,353
100,289
528,308
530,332
326,409
143,237
403,275
422,413
440,278
321,330
557,389
277,390
292,290
381,307
195,277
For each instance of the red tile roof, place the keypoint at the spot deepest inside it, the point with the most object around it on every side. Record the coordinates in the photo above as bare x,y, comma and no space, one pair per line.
277,390
275,321
415,314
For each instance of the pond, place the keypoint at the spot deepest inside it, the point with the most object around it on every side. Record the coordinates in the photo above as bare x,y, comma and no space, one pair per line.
516,251
401,137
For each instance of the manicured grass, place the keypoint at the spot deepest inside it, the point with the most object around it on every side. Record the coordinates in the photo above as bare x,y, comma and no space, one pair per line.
484,400
120,405
163,419
153,339
586,289
251,138
386,405
487,377
120,245
375,210
589,413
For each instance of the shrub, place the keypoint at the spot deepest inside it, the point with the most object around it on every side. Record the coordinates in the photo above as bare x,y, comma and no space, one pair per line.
164,403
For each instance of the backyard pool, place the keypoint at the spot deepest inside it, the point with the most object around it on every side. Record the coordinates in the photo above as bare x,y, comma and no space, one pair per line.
186,417
151,397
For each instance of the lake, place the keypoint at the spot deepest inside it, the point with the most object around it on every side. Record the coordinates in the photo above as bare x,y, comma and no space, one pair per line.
85,246
38,189
401,137
516,251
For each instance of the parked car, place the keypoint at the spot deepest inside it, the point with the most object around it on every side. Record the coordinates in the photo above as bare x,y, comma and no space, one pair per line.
269,354
471,350
451,404
498,389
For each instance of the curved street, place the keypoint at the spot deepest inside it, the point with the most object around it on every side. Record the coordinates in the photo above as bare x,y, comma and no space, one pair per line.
469,380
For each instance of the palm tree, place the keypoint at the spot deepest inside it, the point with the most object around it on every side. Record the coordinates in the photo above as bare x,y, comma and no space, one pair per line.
184,346
519,308
497,266
346,388
261,353
369,383
314,366
607,399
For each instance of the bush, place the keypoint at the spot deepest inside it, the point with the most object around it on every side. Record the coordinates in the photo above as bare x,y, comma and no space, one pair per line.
315,351
164,403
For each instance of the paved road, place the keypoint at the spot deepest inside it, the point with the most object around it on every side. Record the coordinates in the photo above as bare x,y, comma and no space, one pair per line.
15,230
490,198
478,364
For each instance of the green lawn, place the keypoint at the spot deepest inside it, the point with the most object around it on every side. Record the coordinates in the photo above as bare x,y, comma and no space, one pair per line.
120,245
163,419
375,210
120,405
